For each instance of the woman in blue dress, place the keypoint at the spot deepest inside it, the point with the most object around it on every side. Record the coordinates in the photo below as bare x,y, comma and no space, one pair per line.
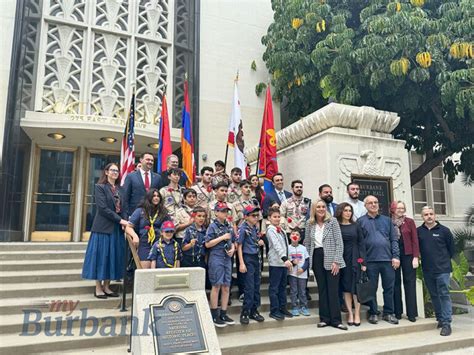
151,212
104,259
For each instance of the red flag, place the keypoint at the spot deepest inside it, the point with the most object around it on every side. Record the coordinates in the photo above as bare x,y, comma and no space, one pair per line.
127,152
267,158
164,138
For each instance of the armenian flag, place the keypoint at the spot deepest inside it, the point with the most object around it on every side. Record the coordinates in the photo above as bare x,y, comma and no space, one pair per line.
187,145
164,137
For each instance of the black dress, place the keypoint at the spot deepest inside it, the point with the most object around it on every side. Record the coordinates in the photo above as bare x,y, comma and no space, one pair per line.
354,248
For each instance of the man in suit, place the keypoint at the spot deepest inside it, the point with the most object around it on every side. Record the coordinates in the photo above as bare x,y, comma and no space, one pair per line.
325,194
139,182
278,195
172,162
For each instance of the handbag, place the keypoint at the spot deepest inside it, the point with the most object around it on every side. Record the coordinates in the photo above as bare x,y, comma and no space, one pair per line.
365,289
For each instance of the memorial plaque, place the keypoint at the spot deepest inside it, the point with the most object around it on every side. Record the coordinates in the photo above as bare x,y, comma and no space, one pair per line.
378,186
177,327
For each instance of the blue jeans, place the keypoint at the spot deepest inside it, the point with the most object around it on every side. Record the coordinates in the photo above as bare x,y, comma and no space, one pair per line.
438,286
277,288
251,283
384,269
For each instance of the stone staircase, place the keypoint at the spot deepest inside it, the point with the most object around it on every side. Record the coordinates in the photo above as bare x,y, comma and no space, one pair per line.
34,275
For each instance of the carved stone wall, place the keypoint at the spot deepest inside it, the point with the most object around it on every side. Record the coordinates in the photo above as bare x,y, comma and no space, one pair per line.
93,51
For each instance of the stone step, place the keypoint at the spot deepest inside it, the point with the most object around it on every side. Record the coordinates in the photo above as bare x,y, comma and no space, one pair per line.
42,255
37,321
7,277
10,306
41,343
51,289
410,343
309,335
236,306
51,246
28,265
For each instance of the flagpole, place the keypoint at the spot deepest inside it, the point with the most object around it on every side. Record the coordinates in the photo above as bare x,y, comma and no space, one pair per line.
227,144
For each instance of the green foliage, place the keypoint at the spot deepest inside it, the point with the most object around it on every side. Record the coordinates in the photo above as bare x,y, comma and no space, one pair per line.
460,270
259,88
365,53
253,65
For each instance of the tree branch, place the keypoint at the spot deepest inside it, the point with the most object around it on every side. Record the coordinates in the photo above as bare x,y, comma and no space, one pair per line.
444,126
429,164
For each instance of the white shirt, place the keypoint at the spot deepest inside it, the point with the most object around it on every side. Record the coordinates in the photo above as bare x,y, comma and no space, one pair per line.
281,195
358,207
318,236
142,172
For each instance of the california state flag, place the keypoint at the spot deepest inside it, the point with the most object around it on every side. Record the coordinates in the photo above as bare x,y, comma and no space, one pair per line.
236,133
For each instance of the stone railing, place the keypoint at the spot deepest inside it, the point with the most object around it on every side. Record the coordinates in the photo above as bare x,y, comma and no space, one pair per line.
364,119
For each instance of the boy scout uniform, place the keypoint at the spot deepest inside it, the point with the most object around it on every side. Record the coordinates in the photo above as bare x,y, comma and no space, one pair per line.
182,216
221,176
172,199
238,209
293,214
204,195
233,193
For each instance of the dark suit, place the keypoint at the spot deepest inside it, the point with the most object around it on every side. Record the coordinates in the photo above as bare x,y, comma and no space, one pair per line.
134,190
270,198
105,218
333,206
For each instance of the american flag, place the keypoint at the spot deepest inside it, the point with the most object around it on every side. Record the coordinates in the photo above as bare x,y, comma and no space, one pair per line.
127,153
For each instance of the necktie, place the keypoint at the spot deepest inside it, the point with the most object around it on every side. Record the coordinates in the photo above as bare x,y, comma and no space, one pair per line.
147,181
282,196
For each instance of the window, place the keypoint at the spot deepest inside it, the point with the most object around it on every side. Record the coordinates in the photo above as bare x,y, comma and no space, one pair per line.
430,190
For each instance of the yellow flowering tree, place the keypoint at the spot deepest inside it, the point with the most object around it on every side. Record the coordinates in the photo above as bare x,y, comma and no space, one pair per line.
414,57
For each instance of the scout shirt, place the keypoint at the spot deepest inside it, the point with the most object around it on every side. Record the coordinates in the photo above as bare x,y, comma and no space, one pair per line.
215,230
165,254
171,199
238,210
204,195
293,213
212,213
182,216
233,193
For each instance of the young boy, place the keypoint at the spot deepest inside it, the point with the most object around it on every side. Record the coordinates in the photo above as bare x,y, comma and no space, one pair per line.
166,252
194,238
298,275
248,252
279,265
220,243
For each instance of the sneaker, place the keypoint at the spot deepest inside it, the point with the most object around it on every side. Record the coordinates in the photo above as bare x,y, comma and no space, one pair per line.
257,317
390,318
440,325
446,330
373,319
304,311
218,322
295,312
285,312
277,316
244,318
225,318
241,298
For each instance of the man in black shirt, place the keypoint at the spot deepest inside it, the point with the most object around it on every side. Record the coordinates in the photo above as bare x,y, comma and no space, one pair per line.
437,249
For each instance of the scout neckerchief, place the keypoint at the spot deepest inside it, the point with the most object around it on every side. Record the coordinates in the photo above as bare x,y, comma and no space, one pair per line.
171,198
175,246
223,228
193,230
248,233
151,231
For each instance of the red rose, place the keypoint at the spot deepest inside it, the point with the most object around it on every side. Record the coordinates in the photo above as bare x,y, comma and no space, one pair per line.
147,228
278,229
289,220
229,218
170,189
360,260
193,214
209,188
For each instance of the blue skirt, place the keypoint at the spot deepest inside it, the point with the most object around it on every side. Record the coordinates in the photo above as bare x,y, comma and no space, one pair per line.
104,258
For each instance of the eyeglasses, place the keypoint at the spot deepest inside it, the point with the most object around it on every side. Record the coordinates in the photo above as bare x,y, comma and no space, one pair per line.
254,215
114,171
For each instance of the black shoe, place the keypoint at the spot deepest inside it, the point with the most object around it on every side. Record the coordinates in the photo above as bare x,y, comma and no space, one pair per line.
102,297
229,303
439,326
225,318
446,330
390,318
218,322
244,318
398,316
373,319
340,326
277,316
257,317
286,313
112,294
412,319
